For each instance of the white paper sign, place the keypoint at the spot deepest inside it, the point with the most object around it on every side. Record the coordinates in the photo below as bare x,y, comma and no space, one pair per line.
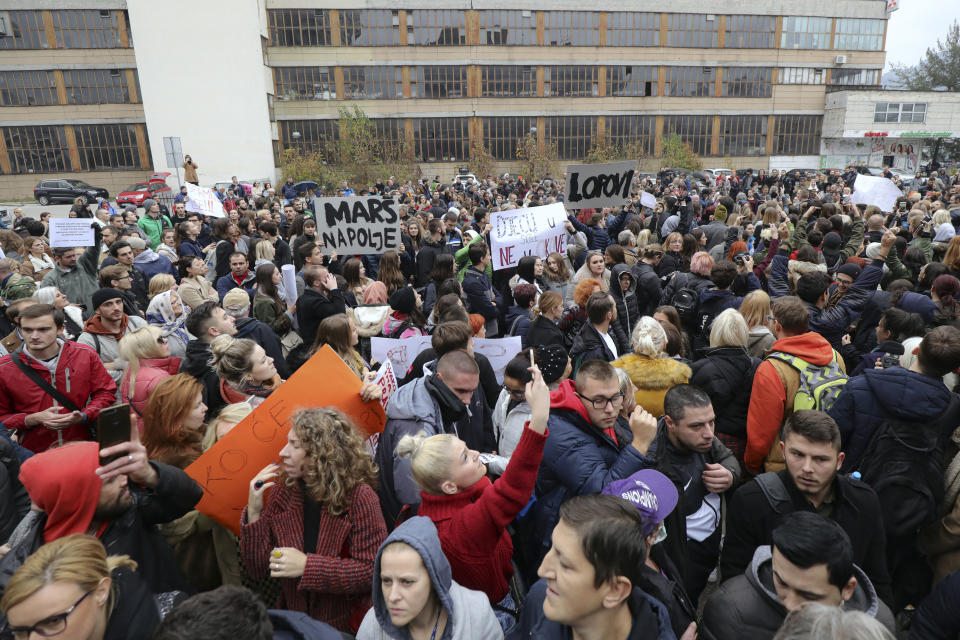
648,200
357,224
598,185
402,353
875,190
533,231
386,379
203,201
71,232
289,275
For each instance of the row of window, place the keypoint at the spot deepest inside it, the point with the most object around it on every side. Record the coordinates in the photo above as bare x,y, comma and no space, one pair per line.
73,28
448,27
447,139
503,81
101,147
83,86
912,112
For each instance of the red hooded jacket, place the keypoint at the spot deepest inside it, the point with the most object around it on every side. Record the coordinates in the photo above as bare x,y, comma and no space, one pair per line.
91,389
769,405
63,483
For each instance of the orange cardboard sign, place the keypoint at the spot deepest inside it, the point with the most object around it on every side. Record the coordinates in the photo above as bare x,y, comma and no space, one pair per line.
225,470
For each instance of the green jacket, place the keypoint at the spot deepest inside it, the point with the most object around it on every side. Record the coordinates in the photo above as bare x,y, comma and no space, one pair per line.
265,310
154,228
924,245
79,283
461,260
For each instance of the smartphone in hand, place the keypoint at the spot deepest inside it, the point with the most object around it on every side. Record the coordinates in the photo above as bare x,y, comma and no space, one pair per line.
113,427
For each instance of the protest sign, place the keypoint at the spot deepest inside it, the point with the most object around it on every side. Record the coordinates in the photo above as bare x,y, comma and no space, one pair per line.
203,201
875,190
225,470
648,200
357,224
386,379
591,186
71,232
533,231
402,353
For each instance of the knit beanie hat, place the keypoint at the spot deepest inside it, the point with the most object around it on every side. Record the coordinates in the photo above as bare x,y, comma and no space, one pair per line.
918,303
403,300
552,360
102,295
849,269
832,241
720,213
149,202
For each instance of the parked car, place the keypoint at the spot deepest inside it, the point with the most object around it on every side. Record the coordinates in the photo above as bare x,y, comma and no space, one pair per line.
462,178
155,186
67,190
720,172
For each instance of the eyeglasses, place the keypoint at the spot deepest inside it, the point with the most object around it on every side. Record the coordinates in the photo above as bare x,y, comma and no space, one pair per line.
601,403
49,627
516,394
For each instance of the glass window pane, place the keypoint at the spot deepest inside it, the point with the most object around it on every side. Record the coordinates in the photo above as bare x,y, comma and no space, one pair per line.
695,131
37,149
369,27
299,27
805,33
441,139
438,27
743,135
372,83
87,28
304,83
633,29
439,82
750,32
692,30
96,86
858,34
27,88
797,135
746,82
307,135
104,147
502,134
501,27
689,81
508,81
573,135
632,135
569,80
631,81
571,28
25,31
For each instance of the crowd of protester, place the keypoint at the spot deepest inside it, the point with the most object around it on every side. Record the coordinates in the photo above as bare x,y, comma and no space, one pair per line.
733,416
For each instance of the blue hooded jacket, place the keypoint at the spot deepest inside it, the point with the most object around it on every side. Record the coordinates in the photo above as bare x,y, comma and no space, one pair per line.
869,399
469,613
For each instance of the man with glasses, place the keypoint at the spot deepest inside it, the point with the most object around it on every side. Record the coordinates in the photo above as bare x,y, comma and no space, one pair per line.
687,451
589,445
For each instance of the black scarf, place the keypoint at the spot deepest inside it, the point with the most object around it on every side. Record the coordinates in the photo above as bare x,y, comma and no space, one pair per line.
451,408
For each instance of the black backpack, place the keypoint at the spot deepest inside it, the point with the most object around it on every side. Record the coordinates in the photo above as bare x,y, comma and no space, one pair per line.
703,322
904,465
685,301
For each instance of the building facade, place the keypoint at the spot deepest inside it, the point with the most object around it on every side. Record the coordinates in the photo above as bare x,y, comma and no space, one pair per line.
891,128
238,80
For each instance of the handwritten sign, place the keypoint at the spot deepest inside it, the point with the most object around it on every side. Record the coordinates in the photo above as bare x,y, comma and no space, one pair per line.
71,232
386,379
225,470
598,185
648,200
533,231
203,201
878,191
357,224
402,353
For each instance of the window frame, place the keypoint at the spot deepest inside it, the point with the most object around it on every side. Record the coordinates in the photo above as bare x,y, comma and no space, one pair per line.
573,135
694,130
298,87
759,33
814,33
502,134
21,88
448,137
755,84
854,34
635,33
572,81
900,112
797,135
517,32
496,81
689,82
295,30
701,32
96,86
638,76
108,147
450,82
25,157
444,21
374,28
85,29
378,83
743,135
571,28
26,31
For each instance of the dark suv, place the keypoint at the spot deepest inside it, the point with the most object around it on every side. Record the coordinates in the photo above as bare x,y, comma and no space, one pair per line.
67,190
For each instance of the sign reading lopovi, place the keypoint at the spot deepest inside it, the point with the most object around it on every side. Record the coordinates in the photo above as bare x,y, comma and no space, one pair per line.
598,185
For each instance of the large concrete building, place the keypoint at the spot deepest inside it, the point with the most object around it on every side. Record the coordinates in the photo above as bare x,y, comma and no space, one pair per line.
91,88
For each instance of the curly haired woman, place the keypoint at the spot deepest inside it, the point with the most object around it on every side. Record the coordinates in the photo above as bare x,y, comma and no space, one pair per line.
319,530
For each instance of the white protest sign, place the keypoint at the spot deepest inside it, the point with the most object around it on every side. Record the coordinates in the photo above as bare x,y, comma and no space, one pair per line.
71,232
289,278
648,200
533,231
386,379
357,224
203,201
402,353
878,191
598,185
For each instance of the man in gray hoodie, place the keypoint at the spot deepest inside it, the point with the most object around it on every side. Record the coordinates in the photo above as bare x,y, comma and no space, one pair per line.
811,560
432,601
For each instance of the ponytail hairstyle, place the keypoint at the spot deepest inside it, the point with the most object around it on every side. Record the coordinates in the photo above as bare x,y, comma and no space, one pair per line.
947,289
430,459
549,301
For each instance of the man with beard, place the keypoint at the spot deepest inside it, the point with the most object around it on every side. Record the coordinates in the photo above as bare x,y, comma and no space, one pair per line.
119,502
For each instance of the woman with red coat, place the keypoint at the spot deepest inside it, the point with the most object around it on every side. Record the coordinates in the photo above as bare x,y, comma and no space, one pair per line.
471,513
321,526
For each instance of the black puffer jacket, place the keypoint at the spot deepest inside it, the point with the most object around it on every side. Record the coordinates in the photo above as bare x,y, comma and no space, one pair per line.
726,374
14,501
648,287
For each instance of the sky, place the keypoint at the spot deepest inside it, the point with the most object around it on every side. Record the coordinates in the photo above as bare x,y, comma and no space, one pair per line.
916,26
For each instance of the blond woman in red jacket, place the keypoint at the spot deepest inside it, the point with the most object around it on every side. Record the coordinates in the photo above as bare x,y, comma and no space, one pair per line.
470,512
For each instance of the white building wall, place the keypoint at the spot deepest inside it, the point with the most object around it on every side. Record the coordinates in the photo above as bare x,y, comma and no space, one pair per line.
943,111
203,78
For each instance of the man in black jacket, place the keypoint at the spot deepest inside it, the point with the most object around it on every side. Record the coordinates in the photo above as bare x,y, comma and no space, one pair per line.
14,501
687,451
595,340
119,502
648,282
811,446
206,322
321,299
